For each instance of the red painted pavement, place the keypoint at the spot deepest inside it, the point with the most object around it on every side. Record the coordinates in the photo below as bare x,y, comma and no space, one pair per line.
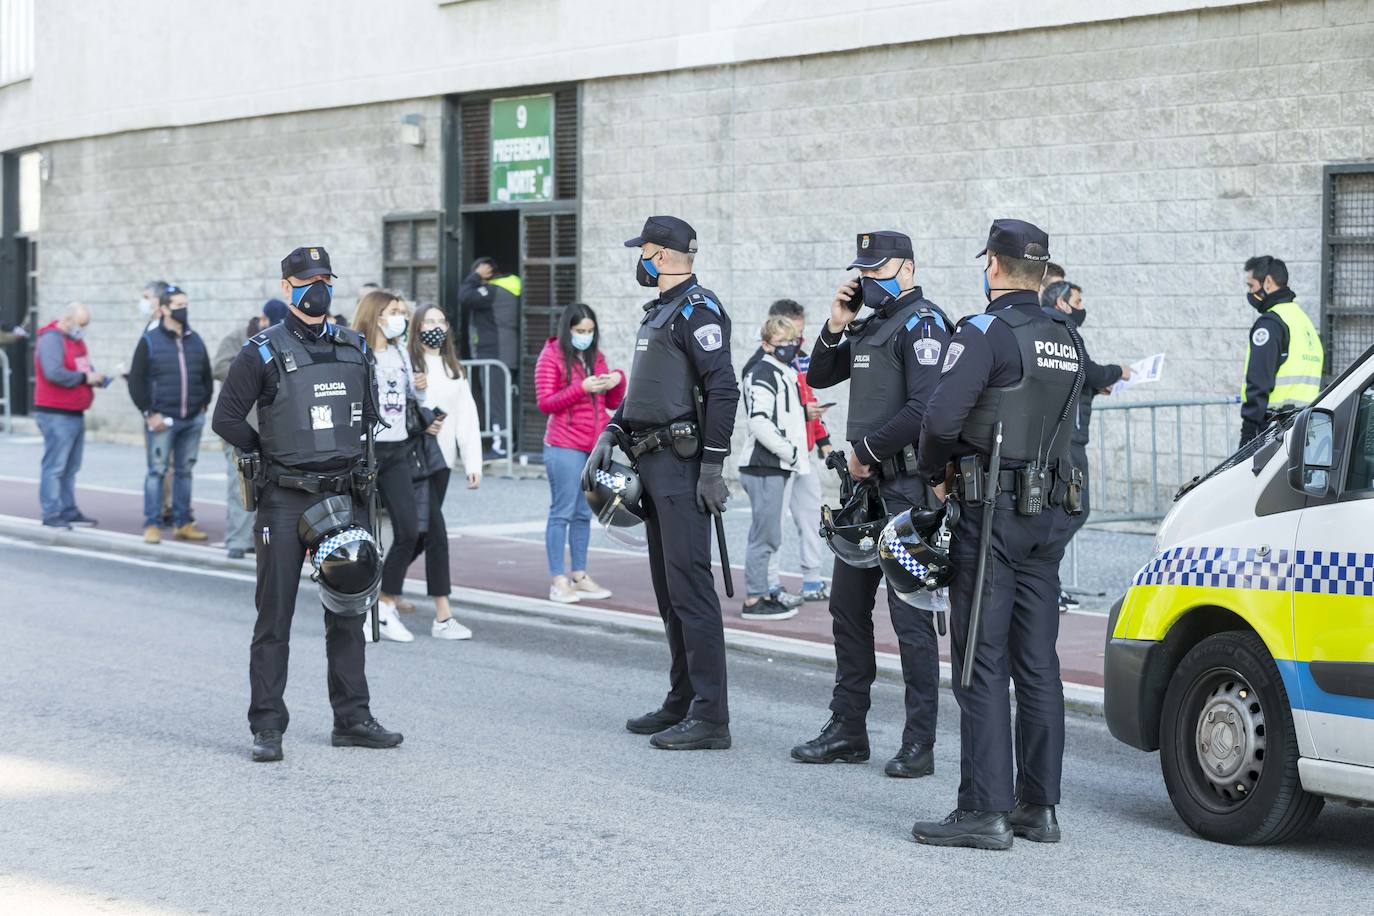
516,566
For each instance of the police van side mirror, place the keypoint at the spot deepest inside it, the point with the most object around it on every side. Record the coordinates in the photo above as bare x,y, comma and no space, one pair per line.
1311,453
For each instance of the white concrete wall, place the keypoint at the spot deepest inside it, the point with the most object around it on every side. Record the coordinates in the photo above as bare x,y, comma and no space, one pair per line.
110,67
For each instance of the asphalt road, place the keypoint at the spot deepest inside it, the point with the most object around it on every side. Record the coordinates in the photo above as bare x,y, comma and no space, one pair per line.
125,784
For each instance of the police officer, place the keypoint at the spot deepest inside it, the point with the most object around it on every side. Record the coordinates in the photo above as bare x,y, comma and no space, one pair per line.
1283,366
892,361
311,385
675,424
1019,366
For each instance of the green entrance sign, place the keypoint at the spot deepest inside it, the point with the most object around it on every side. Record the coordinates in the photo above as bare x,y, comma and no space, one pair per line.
522,149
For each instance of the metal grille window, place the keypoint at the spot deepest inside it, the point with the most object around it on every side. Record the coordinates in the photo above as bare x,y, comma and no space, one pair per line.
16,40
1347,263
410,255
550,283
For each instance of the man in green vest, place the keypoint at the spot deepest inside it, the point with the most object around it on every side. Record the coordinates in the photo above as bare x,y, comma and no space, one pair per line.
1283,367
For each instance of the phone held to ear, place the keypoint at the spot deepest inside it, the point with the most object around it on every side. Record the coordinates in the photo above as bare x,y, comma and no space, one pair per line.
856,301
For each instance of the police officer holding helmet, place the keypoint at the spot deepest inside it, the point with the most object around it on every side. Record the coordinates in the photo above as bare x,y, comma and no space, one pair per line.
305,456
892,361
675,424
997,431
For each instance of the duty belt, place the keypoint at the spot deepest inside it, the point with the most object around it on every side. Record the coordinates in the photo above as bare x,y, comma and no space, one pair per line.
313,483
681,436
902,464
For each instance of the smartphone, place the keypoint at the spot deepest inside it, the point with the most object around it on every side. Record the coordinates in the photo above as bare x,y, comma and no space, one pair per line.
856,301
827,404
439,413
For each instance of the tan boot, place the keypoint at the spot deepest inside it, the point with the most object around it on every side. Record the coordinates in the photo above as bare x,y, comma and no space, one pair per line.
151,535
189,532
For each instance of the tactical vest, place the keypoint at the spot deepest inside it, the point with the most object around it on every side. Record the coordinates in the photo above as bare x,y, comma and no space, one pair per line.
1031,411
661,376
877,373
317,416
1299,378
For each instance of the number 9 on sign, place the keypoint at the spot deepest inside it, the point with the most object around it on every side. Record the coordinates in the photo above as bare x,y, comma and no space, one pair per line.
522,117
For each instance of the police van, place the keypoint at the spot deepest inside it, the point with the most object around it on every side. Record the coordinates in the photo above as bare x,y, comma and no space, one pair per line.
1244,650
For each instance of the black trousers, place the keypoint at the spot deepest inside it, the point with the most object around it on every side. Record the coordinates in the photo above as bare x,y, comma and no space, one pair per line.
1020,625
434,542
397,486
280,554
853,592
679,537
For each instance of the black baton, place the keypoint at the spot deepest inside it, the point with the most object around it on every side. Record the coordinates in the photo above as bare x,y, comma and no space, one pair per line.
975,615
724,556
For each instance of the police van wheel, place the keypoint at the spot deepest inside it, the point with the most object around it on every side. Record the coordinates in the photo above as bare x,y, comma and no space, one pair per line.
1228,748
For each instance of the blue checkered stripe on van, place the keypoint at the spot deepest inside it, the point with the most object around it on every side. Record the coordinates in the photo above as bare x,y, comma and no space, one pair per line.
1319,572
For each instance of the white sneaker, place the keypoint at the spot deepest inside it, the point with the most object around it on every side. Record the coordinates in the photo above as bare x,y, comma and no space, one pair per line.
563,591
449,629
586,587
392,628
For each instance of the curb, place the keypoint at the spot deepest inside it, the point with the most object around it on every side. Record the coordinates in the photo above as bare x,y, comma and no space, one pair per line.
1083,699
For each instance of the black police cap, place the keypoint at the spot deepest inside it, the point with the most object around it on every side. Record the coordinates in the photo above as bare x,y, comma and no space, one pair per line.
874,248
668,231
1018,239
304,263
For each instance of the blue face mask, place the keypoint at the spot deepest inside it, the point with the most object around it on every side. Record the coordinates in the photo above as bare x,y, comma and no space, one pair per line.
987,290
582,341
646,273
878,293
313,299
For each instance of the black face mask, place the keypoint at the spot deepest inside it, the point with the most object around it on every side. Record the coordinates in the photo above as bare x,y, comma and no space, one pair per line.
1078,316
313,300
179,316
786,353
434,337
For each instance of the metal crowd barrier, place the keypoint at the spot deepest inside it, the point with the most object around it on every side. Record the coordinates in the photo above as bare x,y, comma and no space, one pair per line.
485,367
5,398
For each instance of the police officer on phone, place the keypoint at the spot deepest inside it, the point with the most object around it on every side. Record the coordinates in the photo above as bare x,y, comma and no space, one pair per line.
1016,370
298,406
891,359
675,424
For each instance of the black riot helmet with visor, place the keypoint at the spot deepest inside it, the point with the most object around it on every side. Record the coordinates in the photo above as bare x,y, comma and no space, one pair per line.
344,556
910,554
615,500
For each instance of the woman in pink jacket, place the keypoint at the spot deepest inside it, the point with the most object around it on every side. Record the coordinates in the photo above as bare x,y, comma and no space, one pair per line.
578,392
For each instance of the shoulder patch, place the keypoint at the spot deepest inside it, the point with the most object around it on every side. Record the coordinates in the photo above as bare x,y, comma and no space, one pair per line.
952,356
709,337
927,351
982,322
1260,337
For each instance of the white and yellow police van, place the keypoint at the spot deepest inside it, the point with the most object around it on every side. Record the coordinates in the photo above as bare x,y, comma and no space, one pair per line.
1244,651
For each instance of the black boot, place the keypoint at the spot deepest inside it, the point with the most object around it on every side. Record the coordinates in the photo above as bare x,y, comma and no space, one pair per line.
912,761
651,723
974,829
1036,823
693,735
845,740
365,734
267,746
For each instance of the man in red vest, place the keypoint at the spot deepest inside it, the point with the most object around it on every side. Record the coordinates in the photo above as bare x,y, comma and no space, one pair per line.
63,389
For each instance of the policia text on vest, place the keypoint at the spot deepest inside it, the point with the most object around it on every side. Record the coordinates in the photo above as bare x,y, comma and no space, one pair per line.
1018,370
308,385
678,449
891,358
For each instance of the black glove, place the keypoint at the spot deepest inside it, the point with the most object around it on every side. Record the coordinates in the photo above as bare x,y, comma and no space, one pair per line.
711,489
599,459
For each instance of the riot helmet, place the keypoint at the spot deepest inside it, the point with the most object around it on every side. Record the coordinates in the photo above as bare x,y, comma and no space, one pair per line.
912,557
852,531
615,500
344,556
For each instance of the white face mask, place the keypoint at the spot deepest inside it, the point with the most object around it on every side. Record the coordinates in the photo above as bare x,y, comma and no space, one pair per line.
393,326
145,308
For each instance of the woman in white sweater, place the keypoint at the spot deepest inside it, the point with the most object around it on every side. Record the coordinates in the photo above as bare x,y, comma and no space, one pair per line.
445,387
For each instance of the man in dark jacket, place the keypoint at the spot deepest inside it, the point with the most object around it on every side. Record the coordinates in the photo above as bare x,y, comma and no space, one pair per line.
491,301
1067,297
171,383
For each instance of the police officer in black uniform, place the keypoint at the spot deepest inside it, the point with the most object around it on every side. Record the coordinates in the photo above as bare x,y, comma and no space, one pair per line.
892,361
675,424
310,383
1022,367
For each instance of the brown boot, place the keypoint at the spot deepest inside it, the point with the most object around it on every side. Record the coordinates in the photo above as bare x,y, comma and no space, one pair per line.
151,535
189,532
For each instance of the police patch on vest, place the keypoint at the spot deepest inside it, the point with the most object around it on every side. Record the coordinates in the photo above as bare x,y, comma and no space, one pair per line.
952,356
321,416
330,389
927,351
1260,337
709,337
1051,354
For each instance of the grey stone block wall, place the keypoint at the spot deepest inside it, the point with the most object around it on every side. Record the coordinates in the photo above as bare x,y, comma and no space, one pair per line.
214,208
1159,154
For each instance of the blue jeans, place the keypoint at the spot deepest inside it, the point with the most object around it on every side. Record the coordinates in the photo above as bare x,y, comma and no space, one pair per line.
178,445
64,440
570,518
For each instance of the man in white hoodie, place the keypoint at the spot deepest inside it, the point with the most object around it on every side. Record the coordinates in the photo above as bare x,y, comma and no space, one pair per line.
774,450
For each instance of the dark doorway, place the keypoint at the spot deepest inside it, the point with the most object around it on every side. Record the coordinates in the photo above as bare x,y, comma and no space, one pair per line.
495,234
18,288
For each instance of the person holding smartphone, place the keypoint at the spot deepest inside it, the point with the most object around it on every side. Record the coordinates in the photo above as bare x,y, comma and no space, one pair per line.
577,390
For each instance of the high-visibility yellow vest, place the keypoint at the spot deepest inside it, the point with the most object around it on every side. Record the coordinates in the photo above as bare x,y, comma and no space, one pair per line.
510,283
1299,379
